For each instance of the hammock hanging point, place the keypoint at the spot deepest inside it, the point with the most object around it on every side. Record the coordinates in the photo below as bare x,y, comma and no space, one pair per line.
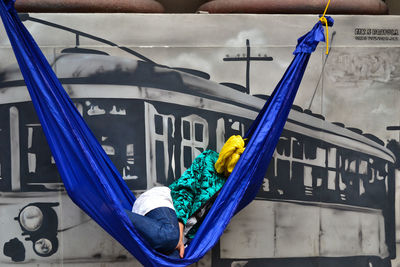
325,23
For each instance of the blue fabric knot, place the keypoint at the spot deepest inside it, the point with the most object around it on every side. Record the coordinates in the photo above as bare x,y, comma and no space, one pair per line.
309,42
329,19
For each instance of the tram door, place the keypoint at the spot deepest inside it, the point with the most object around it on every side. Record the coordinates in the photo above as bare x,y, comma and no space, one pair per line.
173,141
195,139
5,143
160,160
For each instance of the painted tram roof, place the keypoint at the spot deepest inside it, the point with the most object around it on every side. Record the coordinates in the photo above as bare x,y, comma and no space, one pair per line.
81,75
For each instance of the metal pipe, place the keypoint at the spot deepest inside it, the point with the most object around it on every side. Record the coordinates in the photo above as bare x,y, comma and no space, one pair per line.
371,7
89,6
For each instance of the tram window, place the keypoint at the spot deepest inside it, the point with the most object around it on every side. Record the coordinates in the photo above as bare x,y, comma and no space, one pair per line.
161,178
331,180
31,162
283,147
297,148
332,157
382,173
158,121
350,165
297,179
362,188
308,176
283,168
271,169
363,167
191,147
321,157
187,156
379,168
186,129
220,133
39,168
297,170
342,185
198,132
318,175
310,151
234,127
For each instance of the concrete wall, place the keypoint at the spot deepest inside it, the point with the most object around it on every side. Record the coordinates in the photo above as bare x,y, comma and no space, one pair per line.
327,200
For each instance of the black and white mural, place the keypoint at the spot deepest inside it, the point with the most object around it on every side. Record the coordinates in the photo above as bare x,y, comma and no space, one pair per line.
158,90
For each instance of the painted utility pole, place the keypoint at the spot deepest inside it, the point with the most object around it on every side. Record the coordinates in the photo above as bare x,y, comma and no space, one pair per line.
248,58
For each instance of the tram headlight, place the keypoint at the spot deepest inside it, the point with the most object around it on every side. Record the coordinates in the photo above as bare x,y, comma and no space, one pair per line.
39,222
31,218
43,247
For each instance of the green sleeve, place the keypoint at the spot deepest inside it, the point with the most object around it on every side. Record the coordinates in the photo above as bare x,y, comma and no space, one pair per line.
184,190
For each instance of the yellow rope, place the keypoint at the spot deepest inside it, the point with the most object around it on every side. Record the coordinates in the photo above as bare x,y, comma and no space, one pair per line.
325,21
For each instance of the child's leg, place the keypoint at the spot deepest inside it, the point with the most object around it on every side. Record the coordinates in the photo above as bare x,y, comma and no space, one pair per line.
159,227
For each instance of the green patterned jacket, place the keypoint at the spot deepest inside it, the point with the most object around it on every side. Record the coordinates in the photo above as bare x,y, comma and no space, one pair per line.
196,186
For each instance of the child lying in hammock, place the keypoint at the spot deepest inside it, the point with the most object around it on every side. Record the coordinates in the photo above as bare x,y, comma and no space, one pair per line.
167,217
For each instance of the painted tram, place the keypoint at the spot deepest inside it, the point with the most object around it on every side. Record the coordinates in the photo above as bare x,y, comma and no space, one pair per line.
328,194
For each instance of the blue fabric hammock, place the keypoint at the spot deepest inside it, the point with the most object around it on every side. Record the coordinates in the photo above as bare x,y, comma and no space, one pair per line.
95,185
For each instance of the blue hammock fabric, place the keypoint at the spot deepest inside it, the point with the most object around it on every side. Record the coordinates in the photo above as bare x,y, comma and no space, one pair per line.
93,182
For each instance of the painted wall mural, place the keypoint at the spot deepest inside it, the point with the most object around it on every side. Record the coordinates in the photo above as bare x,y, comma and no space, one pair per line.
158,90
